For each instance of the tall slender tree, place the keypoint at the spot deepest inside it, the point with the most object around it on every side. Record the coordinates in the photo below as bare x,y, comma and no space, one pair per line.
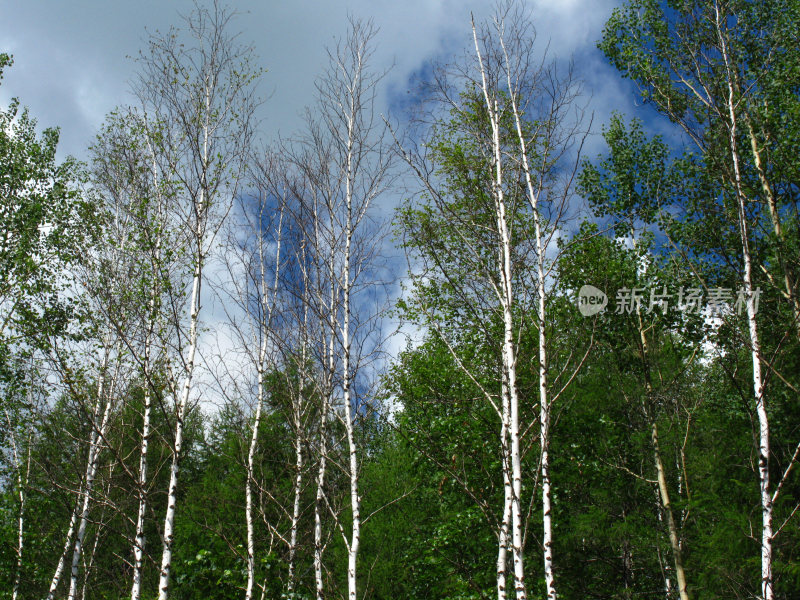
200,91
720,71
359,163
508,145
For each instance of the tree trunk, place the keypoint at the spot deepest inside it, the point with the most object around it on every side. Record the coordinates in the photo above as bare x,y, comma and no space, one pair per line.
349,413
547,520
70,532
544,402
509,347
139,543
264,330
98,439
81,514
250,477
767,591
661,479
503,537
156,265
327,397
298,452
172,490
22,483
672,530
318,501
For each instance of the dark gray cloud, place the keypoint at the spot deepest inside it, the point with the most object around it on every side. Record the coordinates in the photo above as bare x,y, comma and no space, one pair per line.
73,60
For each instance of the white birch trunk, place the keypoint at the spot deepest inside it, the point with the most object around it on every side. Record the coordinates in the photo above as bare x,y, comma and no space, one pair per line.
250,477
298,486
503,537
82,493
318,500
74,518
172,490
544,417
502,541
544,433
510,360
327,393
509,351
60,566
268,305
95,446
355,501
20,521
547,521
87,567
139,540
22,483
767,591
349,413
509,347
298,480
358,164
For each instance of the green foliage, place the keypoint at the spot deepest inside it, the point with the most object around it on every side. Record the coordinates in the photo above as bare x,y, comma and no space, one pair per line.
46,223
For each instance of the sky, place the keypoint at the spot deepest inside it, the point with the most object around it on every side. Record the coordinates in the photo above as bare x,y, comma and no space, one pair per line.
74,59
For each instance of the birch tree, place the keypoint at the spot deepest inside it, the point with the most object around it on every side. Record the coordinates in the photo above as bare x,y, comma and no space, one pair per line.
705,68
311,182
359,162
100,275
201,93
467,228
46,222
254,264
541,102
19,432
524,107
107,373
297,340
266,307
129,176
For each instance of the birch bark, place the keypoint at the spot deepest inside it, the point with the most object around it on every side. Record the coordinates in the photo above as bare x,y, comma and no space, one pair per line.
297,418
767,591
80,514
95,447
154,318
544,401
22,484
268,300
177,445
509,349
201,95
359,163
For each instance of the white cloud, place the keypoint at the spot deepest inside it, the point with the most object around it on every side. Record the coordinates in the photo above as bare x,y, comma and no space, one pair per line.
73,67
